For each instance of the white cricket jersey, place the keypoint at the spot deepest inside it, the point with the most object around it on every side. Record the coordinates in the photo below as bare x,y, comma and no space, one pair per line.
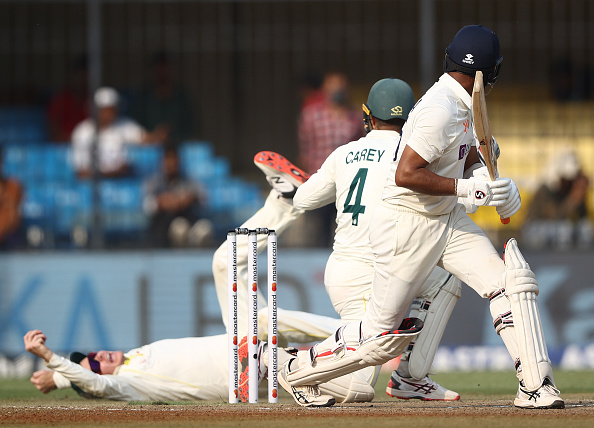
440,130
353,176
111,142
193,368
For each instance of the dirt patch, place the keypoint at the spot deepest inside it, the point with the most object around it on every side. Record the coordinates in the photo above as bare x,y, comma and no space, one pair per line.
221,414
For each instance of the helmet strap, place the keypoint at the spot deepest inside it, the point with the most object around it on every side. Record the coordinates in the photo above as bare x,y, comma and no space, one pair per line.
367,118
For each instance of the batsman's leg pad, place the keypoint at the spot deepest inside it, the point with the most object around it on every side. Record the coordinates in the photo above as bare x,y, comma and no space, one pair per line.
501,311
521,289
503,323
434,309
324,362
354,387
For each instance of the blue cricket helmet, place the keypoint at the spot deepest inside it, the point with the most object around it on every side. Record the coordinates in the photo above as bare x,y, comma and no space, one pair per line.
474,48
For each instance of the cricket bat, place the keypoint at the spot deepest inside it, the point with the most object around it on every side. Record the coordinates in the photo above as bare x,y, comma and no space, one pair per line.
482,128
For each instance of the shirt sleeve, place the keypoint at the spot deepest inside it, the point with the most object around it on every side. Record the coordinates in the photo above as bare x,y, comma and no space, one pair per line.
81,147
132,132
429,138
111,387
320,189
60,381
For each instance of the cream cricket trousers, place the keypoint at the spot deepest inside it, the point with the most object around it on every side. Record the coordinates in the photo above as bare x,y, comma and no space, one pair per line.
348,284
408,245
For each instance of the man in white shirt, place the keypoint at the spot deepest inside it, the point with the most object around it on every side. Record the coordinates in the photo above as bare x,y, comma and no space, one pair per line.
353,178
113,134
420,225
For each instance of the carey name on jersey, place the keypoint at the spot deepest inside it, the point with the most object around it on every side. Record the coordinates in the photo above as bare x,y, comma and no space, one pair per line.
365,155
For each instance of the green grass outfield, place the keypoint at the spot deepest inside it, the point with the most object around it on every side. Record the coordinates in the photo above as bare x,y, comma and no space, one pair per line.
467,384
486,402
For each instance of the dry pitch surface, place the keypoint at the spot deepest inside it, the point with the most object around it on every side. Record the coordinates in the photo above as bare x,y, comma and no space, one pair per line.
22,405
380,413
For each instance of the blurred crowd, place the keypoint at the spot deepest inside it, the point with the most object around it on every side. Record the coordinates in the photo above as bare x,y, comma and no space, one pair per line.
101,131
557,215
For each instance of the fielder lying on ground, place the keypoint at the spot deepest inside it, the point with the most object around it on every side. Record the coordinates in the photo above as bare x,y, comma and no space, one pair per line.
193,368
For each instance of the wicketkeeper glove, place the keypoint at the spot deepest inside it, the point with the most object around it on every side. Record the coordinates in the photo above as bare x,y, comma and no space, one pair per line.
484,192
512,204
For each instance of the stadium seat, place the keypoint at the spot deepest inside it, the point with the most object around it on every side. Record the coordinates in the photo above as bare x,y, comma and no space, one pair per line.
194,157
22,125
145,160
58,164
72,207
121,206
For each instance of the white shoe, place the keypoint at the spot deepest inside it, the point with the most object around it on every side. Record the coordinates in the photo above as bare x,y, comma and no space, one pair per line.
425,389
282,175
306,396
545,397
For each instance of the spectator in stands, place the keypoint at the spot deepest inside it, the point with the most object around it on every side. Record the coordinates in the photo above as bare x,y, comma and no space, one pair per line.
558,214
164,102
323,126
570,81
69,106
173,204
311,90
11,196
113,134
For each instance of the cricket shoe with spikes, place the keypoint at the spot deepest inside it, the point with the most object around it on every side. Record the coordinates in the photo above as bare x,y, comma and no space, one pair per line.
243,357
306,396
425,389
282,175
545,397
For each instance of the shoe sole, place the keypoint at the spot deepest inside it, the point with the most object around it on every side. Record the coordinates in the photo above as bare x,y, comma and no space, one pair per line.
287,387
243,389
272,163
424,398
557,404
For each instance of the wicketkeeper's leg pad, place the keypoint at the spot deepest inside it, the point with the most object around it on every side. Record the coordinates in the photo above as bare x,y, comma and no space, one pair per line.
434,309
521,289
345,352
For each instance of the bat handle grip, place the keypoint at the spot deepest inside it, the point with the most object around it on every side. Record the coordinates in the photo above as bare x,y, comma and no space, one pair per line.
493,178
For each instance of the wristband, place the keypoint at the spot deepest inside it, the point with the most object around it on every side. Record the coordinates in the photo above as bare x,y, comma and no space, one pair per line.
462,187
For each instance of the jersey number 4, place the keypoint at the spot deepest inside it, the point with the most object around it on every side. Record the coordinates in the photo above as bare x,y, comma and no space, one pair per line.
356,208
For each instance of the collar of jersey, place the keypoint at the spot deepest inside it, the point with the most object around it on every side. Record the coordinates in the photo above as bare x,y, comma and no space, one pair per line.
381,132
130,356
456,88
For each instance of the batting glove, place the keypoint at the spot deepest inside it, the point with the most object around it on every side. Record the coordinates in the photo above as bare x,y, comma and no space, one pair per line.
470,208
484,192
512,204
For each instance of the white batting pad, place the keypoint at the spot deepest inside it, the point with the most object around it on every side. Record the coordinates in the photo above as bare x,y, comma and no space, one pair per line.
521,289
353,387
348,357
